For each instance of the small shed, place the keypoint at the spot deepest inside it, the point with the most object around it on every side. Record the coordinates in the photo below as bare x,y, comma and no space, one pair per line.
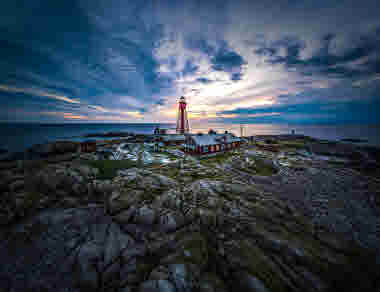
159,131
88,146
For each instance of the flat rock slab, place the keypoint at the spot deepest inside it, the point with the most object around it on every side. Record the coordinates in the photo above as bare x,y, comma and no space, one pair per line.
62,250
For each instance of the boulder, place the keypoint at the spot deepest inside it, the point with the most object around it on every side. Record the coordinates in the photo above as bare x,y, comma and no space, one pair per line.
250,283
16,185
90,248
336,149
157,286
145,216
181,277
144,179
86,171
151,233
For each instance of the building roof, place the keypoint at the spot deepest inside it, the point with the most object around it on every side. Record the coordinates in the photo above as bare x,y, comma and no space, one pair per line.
230,138
214,139
203,140
168,138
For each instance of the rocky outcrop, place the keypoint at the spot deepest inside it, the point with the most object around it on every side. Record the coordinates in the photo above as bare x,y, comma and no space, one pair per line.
208,236
226,228
27,189
335,149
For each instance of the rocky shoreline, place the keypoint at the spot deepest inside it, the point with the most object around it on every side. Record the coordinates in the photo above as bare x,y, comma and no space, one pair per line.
283,213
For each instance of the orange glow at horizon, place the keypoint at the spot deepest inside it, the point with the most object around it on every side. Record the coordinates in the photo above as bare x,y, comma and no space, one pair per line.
73,116
210,111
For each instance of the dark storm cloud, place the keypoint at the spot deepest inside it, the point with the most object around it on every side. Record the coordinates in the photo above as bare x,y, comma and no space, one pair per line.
227,60
56,47
309,107
204,80
194,42
236,76
310,113
266,51
105,55
292,46
190,68
160,102
324,61
221,56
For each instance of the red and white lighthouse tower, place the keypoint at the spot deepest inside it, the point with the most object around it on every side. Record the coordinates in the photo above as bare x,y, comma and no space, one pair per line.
182,121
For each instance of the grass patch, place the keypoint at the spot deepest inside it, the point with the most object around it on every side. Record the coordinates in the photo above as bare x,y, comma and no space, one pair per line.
108,168
173,147
170,156
262,168
337,162
294,144
218,159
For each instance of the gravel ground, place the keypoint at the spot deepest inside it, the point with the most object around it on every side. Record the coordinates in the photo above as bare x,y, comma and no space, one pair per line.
334,198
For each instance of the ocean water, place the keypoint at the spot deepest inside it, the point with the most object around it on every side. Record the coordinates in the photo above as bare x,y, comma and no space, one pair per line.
18,137
371,133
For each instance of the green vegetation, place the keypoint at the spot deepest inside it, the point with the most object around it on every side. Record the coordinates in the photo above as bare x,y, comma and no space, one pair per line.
169,155
108,168
194,249
296,144
336,162
173,147
197,247
31,200
218,159
262,168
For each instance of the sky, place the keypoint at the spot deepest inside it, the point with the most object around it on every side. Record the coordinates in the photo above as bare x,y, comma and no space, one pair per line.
283,61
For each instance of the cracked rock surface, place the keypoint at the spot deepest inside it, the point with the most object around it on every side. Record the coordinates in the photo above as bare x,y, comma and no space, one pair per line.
197,227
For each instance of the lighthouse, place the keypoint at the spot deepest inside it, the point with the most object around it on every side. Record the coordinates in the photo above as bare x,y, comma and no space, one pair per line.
182,121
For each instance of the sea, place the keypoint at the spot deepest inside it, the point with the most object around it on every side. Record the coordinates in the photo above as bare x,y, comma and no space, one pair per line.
16,137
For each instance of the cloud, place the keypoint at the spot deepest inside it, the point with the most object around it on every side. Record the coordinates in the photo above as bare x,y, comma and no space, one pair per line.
35,92
99,108
194,42
130,61
190,68
66,116
204,80
228,61
333,112
361,60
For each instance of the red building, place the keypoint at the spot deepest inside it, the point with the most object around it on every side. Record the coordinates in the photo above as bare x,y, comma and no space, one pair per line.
207,144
